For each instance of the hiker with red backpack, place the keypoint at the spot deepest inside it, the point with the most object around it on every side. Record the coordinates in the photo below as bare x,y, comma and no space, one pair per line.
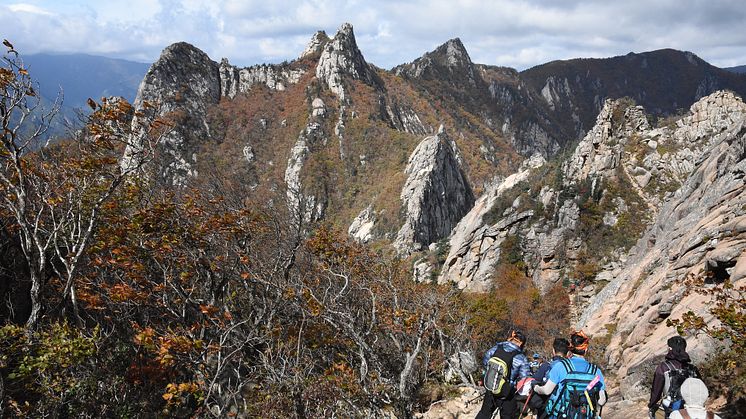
669,376
505,364
576,386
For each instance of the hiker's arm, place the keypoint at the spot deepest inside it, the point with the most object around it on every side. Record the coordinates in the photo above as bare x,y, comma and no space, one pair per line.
546,389
657,389
521,367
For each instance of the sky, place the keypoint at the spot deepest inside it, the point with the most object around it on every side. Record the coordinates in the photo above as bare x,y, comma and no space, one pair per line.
517,34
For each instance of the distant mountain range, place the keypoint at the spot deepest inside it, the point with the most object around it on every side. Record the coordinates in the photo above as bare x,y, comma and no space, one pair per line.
78,77
741,69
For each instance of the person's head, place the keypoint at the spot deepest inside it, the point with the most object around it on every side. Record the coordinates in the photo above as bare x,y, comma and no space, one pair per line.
694,392
561,346
517,337
579,343
677,344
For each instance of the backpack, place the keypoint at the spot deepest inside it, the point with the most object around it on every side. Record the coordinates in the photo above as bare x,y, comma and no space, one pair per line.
497,374
574,399
674,378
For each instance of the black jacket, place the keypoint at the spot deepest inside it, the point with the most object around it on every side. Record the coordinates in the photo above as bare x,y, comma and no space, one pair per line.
678,360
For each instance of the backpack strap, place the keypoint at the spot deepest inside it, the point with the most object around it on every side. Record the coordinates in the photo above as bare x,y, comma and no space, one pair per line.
592,369
684,414
568,365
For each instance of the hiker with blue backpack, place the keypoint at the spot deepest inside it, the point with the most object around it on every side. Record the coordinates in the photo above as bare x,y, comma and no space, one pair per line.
576,386
560,350
669,376
505,364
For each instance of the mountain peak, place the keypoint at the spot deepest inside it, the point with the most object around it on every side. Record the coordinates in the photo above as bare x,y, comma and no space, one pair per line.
317,42
341,56
454,53
450,57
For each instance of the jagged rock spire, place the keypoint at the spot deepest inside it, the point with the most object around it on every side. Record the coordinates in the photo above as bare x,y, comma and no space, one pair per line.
436,194
341,57
315,45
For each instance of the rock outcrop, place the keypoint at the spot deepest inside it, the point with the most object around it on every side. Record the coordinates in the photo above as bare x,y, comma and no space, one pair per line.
475,246
700,231
361,228
436,194
341,58
234,80
316,44
181,84
450,58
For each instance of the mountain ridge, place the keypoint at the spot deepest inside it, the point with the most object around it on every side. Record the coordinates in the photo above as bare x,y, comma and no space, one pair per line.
340,140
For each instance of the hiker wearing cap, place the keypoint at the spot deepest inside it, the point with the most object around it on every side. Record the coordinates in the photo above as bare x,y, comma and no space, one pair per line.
576,386
511,364
695,394
669,376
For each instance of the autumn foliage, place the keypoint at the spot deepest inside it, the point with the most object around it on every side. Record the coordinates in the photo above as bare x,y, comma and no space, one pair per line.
130,298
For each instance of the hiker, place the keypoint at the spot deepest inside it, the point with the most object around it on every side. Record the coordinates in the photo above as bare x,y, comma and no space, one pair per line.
694,393
576,386
538,402
510,355
669,376
535,362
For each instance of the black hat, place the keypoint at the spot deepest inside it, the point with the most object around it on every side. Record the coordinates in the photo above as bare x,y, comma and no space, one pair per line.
677,344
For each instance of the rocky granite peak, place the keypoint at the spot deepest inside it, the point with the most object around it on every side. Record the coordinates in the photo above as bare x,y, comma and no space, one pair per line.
184,81
341,58
436,193
600,151
455,53
316,44
449,58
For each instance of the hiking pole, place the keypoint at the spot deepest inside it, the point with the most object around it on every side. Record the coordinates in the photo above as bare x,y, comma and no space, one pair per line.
479,396
530,393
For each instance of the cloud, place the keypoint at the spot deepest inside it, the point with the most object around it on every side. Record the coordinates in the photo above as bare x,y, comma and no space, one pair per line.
28,8
499,32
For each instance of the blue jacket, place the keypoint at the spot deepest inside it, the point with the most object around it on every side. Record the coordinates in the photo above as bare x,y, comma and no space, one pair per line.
520,368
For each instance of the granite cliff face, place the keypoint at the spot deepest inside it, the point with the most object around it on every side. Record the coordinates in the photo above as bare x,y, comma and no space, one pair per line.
699,231
598,202
182,84
474,244
436,194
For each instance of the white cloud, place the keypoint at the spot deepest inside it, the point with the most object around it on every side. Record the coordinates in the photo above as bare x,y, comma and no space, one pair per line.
500,32
28,8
